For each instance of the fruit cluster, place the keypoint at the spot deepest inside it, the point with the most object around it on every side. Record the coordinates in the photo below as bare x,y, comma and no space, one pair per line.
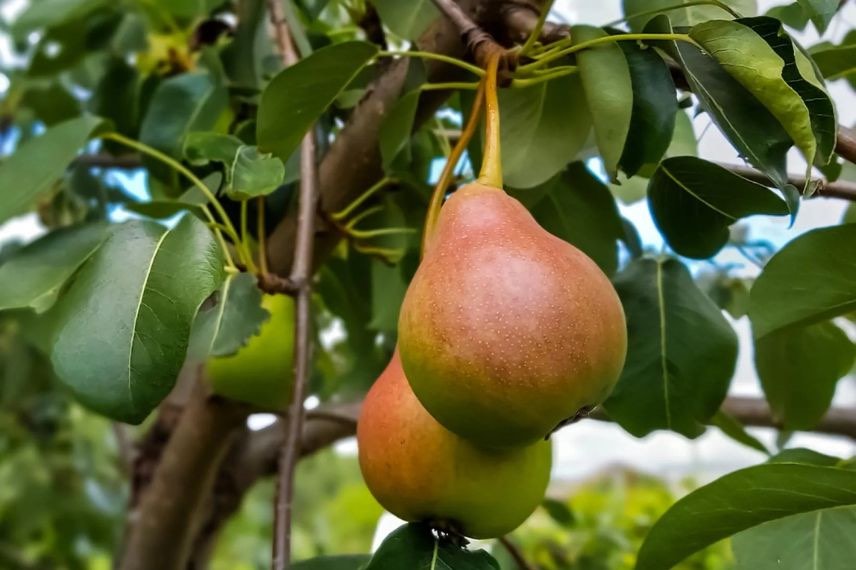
506,333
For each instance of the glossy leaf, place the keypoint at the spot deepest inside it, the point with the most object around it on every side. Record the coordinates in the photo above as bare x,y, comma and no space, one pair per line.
655,104
180,105
32,278
407,19
694,201
397,127
820,12
344,562
753,63
36,165
811,279
202,147
799,368
228,318
253,174
299,94
837,61
606,81
683,15
749,126
415,546
681,351
123,326
730,426
742,500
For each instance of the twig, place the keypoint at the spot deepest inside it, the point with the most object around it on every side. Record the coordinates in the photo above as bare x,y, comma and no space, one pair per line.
515,553
838,189
301,272
479,43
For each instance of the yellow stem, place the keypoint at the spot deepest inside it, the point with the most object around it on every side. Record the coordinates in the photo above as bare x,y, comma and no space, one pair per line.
437,57
536,31
262,235
491,169
245,237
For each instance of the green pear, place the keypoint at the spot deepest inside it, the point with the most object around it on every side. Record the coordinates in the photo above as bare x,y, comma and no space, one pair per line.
506,331
420,471
261,372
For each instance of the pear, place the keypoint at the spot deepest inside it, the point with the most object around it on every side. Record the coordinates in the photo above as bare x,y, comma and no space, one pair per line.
506,331
261,372
420,471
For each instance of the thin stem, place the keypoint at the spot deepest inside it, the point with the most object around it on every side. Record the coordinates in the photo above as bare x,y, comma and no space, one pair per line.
515,552
245,237
449,168
536,31
541,78
178,167
449,85
443,137
686,4
261,233
601,41
437,57
374,189
491,169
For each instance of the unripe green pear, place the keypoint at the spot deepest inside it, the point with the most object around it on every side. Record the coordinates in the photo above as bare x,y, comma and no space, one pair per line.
506,331
420,471
261,372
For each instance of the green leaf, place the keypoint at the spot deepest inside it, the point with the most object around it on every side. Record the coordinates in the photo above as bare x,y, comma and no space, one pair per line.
606,80
186,9
655,104
742,500
736,431
202,147
799,368
51,104
837,61
415,546
820,12
397,126
681,351
388,288
34,275
751,61
800,75
49,13
749,126
803,455
578,208
820,540
228,319
792,15
253,174
811,279
406,19
559,512
124,324
694,201
298,95
34,167
181,104
544,127
683,15
117,97
344,562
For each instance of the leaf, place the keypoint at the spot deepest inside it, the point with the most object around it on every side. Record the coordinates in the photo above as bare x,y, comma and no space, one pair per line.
299,94
34,167
683,16
51,104
228,319
799,368
543,128
49,13
655,104
253,174
752,62
731,427
803,455
837,61
397,126
117,97
124,324
747,124
800,75
742,500
202,147
32,278
559,512
694,201
415,546
811,279
820,12
606,80
344,562
406,19
181,104
681,351
792,15
578,208
388,288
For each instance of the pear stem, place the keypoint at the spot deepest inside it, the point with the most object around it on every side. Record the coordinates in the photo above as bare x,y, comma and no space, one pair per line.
449,169
491,170
261,231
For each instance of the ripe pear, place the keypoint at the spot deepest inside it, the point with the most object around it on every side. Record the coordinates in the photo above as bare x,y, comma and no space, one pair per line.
420,471
506,331
261,372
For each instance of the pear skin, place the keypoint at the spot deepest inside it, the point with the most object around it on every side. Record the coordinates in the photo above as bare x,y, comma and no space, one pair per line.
420,471
261,372
506,331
